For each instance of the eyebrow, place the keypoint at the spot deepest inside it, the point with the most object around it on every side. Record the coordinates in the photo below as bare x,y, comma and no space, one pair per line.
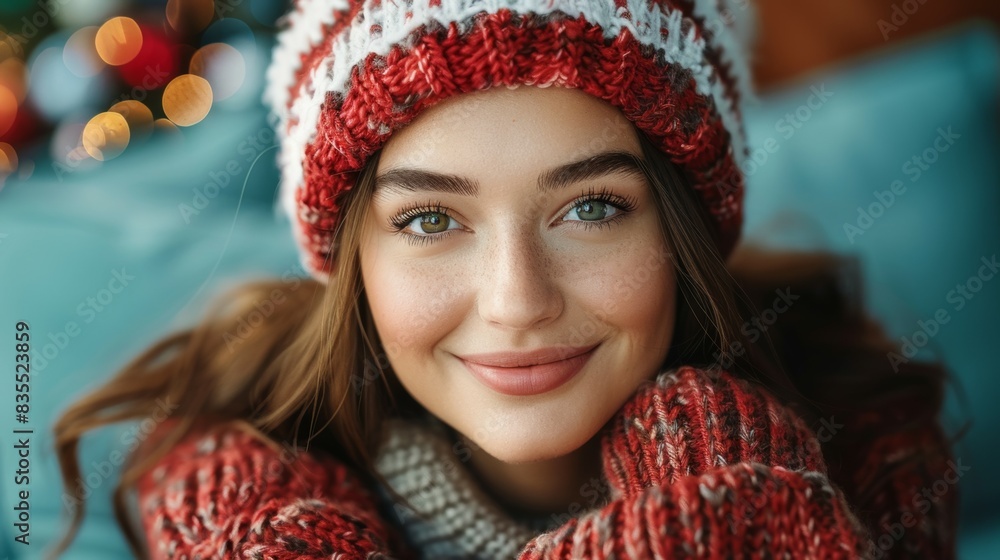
405,179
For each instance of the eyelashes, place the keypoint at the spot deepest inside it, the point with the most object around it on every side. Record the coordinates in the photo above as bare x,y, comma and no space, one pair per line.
399,223
403,219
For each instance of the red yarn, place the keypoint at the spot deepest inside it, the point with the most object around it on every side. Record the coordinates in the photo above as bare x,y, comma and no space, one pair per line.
700,464
504,48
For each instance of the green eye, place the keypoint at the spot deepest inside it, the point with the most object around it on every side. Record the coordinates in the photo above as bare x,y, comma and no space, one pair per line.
433,222
419,225
593,210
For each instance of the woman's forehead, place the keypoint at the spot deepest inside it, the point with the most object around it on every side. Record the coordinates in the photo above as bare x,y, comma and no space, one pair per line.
529,127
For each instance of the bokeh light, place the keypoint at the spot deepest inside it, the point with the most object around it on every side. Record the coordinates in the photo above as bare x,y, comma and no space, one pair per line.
13,74
187,99
223,66
8,160
138,117
66,137
55,91
154,65
172,62
78,13
106,136
8,109
189,16
66,147
255,56
80,54
25,127
12,92
119,40
10,45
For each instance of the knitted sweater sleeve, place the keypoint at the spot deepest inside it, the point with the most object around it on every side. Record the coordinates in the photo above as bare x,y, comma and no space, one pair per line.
744,510
910,499
223,493
704,465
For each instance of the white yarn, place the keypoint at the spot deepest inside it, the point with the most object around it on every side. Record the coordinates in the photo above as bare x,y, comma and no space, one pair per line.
647,22
417,459
304,31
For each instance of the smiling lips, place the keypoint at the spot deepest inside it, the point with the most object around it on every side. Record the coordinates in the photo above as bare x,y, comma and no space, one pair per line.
528,373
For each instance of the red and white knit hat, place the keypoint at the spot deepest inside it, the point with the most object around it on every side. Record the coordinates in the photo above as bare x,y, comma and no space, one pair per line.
346,74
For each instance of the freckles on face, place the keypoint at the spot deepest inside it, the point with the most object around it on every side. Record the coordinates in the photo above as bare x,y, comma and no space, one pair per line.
449,272
629,292
413,301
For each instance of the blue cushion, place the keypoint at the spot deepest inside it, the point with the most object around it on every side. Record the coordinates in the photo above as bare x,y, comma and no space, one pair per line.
123,255
835,168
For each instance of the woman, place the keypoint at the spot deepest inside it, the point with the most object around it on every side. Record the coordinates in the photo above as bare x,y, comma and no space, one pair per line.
527,333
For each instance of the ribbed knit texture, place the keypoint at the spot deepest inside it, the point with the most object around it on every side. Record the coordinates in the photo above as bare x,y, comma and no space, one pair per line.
418,460
698,463
346,74
702,464
226,494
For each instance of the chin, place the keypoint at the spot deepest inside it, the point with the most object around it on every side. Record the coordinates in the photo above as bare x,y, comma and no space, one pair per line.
529,444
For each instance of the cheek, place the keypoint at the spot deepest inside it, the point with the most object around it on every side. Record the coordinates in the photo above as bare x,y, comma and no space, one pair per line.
635,301
413,306
630,288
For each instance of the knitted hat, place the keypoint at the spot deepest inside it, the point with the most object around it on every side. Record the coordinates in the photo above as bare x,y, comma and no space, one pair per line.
346,74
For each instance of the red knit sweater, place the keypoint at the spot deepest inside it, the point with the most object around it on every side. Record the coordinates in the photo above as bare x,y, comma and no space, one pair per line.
699,463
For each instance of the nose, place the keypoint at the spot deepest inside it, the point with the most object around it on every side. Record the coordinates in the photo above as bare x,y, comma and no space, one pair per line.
518,288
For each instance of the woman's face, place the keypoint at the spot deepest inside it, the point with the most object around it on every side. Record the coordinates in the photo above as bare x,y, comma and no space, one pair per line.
487,234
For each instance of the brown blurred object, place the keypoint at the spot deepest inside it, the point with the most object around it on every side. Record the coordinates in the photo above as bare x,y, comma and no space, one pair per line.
795,37
189,16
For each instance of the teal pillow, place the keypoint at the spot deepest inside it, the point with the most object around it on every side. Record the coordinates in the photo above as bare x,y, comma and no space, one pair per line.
893,158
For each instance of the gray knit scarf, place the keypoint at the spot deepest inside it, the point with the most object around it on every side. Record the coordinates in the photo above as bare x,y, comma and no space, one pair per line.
417,459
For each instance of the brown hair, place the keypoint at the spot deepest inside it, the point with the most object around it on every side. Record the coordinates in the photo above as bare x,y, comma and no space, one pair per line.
273,377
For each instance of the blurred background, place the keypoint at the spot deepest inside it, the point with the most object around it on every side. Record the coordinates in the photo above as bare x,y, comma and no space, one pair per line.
135,155
82,80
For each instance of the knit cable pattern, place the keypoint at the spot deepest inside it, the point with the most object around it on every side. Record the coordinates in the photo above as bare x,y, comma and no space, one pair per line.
226,494
699,464
705,465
